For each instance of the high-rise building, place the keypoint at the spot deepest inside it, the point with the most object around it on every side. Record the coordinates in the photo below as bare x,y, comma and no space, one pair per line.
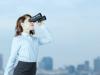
46,63
87,66
84,67
80,67
97,64
71,69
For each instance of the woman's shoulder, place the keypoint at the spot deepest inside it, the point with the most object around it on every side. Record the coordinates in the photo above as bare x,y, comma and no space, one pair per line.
17,38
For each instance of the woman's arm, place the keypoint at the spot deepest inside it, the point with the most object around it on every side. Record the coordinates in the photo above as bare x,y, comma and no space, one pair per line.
13,54
44,35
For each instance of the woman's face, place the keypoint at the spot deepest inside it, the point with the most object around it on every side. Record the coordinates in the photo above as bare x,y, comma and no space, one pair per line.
27,26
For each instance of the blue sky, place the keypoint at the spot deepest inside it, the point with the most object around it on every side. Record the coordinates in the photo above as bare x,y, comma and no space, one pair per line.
74,25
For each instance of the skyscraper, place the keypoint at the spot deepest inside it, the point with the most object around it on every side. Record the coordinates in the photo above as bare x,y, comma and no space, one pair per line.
97,64
46,63
87,66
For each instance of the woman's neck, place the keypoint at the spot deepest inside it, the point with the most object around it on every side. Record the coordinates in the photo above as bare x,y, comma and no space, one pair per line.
26,31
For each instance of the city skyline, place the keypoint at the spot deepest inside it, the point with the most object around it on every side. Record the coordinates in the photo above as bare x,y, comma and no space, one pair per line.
47,63
45,67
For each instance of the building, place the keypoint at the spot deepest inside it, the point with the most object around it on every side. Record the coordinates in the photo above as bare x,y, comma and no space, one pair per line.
46,63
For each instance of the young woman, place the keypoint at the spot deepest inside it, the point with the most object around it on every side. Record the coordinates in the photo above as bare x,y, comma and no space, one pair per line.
25,45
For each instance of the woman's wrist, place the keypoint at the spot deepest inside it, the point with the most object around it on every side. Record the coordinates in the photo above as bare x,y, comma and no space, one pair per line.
40,24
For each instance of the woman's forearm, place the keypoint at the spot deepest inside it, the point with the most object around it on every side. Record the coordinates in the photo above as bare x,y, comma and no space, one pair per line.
44,35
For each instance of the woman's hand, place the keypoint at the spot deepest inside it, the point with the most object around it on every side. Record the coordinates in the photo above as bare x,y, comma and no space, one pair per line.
40,23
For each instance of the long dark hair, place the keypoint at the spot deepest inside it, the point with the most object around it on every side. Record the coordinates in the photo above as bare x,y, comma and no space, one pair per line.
19,28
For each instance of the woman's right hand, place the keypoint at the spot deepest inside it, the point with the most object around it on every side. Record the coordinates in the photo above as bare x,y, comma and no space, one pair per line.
39,23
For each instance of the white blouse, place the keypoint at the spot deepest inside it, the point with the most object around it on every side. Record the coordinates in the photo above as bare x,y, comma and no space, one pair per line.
25,47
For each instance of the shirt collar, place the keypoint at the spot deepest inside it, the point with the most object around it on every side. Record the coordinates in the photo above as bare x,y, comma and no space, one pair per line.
26,34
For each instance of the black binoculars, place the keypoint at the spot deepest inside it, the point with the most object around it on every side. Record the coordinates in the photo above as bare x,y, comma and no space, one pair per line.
37,18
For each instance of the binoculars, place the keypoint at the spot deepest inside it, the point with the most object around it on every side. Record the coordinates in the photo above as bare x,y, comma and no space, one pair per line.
37,18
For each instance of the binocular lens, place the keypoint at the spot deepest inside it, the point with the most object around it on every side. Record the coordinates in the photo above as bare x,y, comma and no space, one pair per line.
38,18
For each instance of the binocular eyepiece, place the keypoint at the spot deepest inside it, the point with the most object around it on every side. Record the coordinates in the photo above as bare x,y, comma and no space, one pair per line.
37,18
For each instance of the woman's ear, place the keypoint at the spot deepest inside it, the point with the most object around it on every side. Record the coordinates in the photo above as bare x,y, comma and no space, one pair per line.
22,24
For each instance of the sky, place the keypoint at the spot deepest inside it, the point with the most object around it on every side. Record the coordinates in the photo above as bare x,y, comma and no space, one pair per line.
74,25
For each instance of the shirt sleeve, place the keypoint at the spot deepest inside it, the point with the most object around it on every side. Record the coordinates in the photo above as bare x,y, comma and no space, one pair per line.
44,35
13,54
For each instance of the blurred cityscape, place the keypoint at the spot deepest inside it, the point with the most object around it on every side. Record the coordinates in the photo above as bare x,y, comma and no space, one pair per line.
45,67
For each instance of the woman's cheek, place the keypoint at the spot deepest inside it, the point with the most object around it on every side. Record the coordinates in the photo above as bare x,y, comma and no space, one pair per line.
31,27
26,28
